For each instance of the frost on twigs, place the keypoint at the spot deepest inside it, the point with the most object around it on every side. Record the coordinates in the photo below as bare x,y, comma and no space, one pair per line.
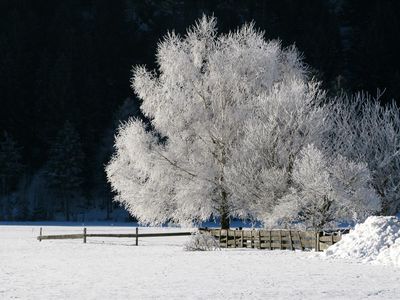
366,131
326,190
201,241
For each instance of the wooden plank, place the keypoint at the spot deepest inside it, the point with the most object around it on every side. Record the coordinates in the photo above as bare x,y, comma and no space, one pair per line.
234,239
137,236
337,238
231,242
259,239
308,234
327,238
275,233
246,233
132,235
330,238
214,232
301,244
280,235
323,246
84,235
119,235
265,233
62,237
291,242
275,245
241,238
309,244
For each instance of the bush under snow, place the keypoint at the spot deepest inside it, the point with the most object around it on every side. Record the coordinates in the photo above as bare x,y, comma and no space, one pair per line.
201,241
377,239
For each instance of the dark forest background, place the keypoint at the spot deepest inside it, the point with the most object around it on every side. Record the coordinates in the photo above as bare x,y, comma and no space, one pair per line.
65,68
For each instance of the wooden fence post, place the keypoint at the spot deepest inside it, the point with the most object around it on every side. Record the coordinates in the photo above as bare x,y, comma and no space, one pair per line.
40,234
227,238
280,239
319,246
234,239
84,235
259,238
137,236
317,241
291,241
270,239
301,244
241,238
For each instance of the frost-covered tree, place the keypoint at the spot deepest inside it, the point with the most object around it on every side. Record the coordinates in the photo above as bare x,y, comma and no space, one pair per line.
326,190
287,119
208,93
366,131
63,171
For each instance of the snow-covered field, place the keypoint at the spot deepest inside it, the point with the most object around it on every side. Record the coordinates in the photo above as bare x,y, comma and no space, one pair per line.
159,269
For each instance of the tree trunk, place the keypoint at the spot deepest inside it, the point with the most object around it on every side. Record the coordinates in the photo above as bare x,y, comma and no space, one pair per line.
224,207
224,212
290,170
225,221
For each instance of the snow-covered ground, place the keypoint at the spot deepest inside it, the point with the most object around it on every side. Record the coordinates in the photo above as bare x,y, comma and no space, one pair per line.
159,269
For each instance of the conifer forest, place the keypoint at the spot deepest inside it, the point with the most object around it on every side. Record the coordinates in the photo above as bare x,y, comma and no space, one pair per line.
65,89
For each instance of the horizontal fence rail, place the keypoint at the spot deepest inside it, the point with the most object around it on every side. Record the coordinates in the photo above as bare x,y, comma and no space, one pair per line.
276,239
85,235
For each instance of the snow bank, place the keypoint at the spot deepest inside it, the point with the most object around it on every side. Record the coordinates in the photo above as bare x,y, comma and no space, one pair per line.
391,255
377,239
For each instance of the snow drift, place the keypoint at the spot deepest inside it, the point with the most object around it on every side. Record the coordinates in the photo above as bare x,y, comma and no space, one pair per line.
390,255
377,239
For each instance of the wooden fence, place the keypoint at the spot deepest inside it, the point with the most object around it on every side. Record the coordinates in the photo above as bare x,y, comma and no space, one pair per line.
276,239
84,235
261,239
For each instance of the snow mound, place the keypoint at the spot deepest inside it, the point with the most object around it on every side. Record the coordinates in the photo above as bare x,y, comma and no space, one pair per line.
377,239
391,255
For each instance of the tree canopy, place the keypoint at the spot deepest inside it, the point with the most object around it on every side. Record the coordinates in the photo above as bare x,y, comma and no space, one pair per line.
229,118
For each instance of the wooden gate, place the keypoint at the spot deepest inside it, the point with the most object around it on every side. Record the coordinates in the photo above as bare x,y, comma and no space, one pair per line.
276,239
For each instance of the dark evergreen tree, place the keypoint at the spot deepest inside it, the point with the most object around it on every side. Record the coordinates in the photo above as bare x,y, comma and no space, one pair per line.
11,168
21,209
64,169
373,57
